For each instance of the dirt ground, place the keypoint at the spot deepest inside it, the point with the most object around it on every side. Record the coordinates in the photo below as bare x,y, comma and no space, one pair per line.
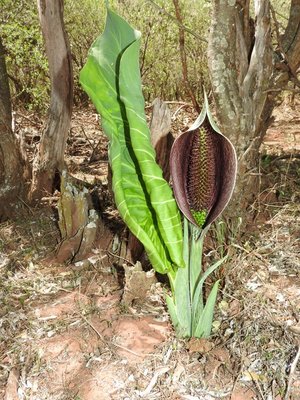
67,333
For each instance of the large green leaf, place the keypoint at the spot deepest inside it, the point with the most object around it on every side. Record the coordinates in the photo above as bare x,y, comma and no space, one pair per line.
111,77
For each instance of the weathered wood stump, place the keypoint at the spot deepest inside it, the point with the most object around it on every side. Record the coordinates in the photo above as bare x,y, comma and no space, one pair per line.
161,136
78,221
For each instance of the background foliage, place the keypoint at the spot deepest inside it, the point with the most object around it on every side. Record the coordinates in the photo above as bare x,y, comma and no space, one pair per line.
84,20
26,62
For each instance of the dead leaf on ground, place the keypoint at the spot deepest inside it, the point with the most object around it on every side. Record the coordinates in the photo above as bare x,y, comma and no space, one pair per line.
201,346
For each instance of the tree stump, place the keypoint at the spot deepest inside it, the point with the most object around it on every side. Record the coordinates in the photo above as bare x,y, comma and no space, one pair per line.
79,223
161,137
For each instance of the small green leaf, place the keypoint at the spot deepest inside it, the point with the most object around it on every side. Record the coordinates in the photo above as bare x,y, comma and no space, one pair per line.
172,311
198,293
203,329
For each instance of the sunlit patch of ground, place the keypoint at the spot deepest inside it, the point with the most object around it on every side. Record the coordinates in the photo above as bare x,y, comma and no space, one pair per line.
284,134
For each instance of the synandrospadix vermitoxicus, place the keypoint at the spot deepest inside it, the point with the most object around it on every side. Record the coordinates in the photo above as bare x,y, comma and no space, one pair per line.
203,167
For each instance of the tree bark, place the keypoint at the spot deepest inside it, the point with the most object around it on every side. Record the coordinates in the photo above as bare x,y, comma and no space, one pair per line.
12,163
50,159
244,69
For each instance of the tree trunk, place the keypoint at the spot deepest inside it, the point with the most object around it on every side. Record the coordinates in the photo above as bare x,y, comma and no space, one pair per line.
50,158
243,73
11,160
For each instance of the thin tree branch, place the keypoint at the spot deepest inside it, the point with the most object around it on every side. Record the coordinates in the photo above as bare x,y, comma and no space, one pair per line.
260,66
291,34
244,14
183,57
283,53
281,15
176,21
145,50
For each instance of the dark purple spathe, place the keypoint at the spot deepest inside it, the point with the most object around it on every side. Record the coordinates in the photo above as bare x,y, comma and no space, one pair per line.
221,152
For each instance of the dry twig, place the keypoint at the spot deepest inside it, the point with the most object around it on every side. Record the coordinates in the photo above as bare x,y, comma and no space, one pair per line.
292,373
105,341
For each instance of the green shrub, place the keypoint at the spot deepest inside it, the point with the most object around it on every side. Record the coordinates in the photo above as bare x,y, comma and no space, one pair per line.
25,57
